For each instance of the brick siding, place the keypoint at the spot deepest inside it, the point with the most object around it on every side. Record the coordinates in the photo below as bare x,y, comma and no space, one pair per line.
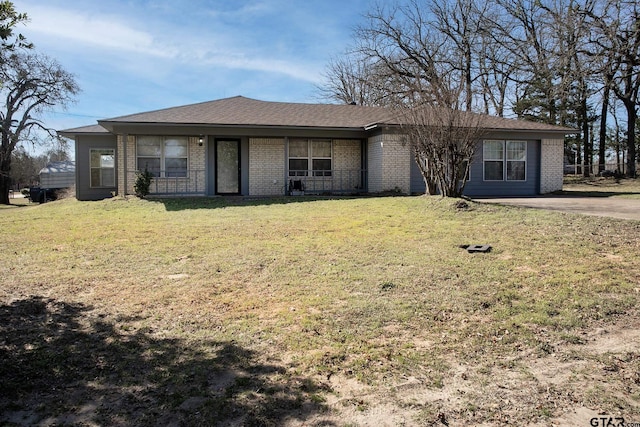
266,167
126,173
389,164
122,170
551,165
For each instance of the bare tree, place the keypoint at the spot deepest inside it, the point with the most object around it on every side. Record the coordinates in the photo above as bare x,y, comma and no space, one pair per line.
354,79
472,55
24,168
554,79
408,49
627,81
556,61
440,43
31,85
526,30
429,53
618,41
575,70
425,69
346,81
462,23
497,66
606,70
443,141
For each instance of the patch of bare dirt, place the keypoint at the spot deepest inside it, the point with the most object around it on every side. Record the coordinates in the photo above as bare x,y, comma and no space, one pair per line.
126,378
560,388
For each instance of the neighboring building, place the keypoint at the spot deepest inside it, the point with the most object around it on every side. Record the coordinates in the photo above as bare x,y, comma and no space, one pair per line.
256,148
58,175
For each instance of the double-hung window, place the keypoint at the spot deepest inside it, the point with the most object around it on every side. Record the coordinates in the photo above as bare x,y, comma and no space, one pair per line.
504,160
163,156
310,157
103,168
516,160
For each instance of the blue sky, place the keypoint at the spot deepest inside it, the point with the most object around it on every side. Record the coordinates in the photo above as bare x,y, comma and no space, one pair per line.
130,56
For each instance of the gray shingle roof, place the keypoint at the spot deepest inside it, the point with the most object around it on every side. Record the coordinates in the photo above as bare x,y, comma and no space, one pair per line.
56,167
84,129
241,111
246,112
501,123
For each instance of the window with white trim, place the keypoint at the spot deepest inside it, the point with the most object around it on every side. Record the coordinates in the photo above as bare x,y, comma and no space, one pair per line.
103,167
163,156
310,157
504,160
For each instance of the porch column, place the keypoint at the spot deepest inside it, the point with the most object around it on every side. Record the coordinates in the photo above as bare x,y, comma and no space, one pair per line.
121,164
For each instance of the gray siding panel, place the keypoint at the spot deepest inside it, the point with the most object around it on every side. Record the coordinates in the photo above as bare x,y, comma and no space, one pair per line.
84,143
417,181
477,186
57,180
58,175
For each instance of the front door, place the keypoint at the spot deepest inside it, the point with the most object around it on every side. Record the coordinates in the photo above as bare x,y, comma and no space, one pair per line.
227,166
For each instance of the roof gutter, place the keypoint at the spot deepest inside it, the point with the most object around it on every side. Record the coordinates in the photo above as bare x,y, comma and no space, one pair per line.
562,130
110,126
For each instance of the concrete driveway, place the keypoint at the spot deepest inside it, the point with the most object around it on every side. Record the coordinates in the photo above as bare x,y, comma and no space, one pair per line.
601,205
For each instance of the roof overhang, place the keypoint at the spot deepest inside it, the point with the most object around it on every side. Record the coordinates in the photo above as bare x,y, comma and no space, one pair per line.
84,130
122,127
550,130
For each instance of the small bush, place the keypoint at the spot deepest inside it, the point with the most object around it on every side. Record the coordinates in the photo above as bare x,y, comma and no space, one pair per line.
143,182
66,193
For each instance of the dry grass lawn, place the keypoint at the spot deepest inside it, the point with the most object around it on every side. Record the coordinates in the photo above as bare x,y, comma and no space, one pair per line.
598,186
299,311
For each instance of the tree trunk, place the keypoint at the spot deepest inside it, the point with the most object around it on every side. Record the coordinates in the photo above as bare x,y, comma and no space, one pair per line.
430,185
468,80
5,182
578,163
588,148
603,128
631,139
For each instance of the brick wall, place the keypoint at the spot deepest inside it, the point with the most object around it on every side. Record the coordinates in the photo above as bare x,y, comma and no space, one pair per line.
374,163
122,170
195,182
266,167
551,165
347,158
197,159
131,166
126,159
389,164
346,153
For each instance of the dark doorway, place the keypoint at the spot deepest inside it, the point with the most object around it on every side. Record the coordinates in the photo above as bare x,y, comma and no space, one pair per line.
227,166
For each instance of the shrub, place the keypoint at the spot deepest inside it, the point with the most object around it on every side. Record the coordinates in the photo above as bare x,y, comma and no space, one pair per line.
143,182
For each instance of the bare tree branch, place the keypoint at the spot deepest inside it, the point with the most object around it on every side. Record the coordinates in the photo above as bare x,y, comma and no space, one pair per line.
31,84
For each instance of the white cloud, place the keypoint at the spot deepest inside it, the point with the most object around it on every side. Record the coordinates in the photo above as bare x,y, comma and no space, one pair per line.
300,72
137,42
100,32
244,12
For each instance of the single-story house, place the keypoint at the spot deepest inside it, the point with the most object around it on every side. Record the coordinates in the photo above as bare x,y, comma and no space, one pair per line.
249,147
